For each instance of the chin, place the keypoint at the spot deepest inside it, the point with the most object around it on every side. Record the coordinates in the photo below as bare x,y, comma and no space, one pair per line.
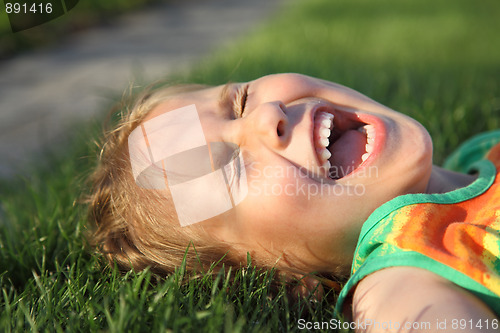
419,161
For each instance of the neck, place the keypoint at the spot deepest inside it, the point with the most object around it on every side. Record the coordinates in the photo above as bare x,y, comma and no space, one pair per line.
443,180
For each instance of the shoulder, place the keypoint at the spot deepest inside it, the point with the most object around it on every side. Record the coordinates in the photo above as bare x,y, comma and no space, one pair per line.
410,299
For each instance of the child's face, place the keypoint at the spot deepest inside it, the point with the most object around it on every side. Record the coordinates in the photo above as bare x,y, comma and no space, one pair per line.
295,204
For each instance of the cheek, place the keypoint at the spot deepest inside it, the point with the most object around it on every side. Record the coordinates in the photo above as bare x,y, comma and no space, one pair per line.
275,202
281,186
285,87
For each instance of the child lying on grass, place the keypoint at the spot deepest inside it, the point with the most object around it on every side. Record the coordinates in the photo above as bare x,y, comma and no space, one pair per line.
294,170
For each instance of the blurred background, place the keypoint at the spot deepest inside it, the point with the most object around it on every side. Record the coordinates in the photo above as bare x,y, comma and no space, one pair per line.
437,61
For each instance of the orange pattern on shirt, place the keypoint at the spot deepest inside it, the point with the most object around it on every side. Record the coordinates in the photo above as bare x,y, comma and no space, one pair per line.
464,236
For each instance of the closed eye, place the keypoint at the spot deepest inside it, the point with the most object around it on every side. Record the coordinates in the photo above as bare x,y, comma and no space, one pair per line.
240,101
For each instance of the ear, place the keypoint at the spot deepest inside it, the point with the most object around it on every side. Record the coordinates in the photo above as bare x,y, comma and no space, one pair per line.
308,286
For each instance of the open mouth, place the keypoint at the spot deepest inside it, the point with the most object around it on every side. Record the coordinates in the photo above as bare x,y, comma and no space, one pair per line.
343,143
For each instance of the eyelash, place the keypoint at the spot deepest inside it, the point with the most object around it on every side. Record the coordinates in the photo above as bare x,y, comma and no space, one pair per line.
240,101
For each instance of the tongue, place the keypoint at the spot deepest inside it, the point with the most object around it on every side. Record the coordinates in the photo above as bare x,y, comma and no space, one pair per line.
346,153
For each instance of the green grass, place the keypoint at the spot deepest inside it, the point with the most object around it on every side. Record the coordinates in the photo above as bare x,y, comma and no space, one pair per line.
438,61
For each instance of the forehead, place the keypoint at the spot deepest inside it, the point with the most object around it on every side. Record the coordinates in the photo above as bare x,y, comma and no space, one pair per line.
170,149
204,99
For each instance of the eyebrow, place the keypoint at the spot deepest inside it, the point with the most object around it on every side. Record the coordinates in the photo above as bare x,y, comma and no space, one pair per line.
225,96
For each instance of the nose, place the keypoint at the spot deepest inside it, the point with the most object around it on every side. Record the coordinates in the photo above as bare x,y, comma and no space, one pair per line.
271,123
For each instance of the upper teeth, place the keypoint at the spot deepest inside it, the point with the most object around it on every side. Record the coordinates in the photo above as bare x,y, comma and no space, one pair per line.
323,128
369,131
323,125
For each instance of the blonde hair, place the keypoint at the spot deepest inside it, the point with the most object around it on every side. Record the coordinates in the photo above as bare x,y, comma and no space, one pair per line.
134,227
